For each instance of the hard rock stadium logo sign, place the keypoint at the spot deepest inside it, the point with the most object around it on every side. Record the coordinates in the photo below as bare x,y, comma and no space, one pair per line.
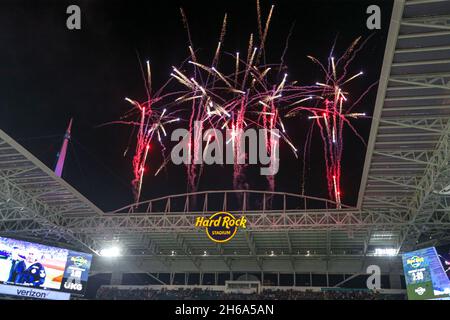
221,227
79,261
415,261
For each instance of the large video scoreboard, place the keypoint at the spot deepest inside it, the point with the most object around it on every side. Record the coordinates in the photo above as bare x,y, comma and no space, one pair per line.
425,276
35,270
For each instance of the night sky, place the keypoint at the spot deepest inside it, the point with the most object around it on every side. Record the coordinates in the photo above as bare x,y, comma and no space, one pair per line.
49,74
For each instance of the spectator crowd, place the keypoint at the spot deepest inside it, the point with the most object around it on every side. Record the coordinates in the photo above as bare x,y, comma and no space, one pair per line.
116,293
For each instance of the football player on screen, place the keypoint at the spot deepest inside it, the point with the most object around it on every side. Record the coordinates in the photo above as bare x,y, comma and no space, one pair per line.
34,274
18,265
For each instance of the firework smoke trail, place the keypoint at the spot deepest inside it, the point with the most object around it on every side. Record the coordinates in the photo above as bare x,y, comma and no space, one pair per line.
216,108
220,105
223,101
330,114
153,118
251,95
152,125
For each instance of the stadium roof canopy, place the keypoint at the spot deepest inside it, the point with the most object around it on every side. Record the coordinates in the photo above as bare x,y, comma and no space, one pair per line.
34,201
407,164
402,202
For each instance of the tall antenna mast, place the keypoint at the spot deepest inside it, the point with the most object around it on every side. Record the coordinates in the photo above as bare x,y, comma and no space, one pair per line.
62,153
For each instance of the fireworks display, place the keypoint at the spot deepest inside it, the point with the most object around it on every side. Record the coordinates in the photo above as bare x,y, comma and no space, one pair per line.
248,93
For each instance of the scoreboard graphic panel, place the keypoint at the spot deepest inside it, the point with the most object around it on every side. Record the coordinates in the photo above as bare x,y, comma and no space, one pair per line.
43,270
425,276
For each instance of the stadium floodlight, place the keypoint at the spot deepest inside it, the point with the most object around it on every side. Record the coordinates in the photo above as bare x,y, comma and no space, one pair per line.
110,252
386,252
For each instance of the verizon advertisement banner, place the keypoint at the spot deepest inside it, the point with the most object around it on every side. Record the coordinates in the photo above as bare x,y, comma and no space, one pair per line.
33,293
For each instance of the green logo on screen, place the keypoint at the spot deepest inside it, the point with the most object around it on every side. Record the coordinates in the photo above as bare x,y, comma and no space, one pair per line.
415,261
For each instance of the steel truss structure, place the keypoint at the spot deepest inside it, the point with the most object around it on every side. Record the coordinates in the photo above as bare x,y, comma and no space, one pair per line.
407,164
403,201
35,202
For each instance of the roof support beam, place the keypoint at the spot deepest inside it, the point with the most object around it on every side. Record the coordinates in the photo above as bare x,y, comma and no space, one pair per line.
406,182
430,125
416,84
181,242
426,25
422,49
419,2
290,250
394,28
226,260
424,34
252,246
421,157
41,213
420,210
409,98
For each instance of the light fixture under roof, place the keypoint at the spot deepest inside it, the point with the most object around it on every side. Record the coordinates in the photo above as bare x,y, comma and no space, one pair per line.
385,252
110,252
